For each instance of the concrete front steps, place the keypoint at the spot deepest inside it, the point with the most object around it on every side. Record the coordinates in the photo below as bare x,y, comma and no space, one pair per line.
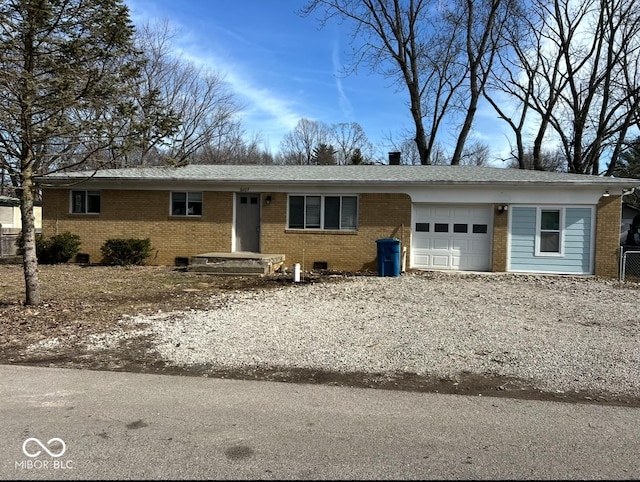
236,264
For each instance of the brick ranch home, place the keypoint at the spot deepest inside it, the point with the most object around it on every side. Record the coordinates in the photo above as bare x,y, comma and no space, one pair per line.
447,217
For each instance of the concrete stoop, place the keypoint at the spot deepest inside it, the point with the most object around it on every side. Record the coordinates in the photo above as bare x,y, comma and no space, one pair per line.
236,264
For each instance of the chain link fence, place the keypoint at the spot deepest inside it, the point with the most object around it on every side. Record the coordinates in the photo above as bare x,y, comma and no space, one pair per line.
630,264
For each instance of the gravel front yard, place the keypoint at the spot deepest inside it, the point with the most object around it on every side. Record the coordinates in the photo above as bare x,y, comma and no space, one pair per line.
541,337
556,334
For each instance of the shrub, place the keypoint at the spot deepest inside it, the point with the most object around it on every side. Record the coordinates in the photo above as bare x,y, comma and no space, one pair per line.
126,252
54,250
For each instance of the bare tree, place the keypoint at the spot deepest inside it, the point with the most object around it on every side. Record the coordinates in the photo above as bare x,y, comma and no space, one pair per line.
4,180
180,108
297,146
483,23
476,153
440,51
391,37
348,137
63,87
575,66
553,161
512,82
200,98
409,153
235,148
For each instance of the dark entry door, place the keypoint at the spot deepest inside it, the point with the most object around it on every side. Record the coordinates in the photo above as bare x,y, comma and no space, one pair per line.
248,222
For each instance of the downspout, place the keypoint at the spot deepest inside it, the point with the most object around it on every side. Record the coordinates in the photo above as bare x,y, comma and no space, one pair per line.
404,249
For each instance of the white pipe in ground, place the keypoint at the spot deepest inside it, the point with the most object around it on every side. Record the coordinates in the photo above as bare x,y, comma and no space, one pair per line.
296,272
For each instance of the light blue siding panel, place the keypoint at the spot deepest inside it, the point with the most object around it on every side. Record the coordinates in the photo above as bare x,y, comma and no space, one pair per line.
523,231
577,242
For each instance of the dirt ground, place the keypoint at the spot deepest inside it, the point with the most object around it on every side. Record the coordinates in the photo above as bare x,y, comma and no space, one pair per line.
82,300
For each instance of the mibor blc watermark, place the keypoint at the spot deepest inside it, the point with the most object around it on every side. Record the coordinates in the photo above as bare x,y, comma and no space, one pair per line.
34,448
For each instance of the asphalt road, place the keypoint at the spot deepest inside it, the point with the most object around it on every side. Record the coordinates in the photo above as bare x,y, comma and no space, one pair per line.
138,426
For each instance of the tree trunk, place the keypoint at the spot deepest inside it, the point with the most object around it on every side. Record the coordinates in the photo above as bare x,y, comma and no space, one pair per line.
29,258
421,143
464,131
416,113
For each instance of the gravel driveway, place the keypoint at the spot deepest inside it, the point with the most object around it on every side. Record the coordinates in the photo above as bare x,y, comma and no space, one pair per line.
554,333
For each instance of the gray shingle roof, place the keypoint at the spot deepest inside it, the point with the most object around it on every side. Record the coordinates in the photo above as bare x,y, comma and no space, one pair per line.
376,174
9,201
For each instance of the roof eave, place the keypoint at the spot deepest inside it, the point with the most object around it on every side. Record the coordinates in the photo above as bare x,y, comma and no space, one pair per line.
598,182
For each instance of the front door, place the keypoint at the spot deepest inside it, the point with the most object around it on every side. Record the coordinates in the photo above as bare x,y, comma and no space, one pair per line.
248,222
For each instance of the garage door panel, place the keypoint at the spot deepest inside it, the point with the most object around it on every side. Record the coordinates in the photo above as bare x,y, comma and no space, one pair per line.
480,245
440,261
443,212
476,262
462,245
455,262
462,213
423,259
452,237
442,244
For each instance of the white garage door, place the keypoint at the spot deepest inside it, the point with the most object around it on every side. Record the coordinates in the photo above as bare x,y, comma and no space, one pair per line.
452,237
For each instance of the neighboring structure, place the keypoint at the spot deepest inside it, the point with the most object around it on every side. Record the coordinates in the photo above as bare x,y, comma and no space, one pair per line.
10,217
629,213
448,217
11,223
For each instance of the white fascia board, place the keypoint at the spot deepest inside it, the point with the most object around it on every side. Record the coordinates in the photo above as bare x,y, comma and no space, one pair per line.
450,193
580,195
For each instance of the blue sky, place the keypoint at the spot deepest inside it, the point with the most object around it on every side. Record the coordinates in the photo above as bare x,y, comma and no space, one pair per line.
283,67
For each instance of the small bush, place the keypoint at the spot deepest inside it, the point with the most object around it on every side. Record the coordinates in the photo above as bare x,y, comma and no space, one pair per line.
54,250
126,252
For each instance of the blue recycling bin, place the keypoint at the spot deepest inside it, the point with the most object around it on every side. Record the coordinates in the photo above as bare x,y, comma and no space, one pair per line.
388,257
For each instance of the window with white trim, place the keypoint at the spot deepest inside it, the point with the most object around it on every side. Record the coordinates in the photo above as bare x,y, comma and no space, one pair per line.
186,204
85,202
329,212
549,233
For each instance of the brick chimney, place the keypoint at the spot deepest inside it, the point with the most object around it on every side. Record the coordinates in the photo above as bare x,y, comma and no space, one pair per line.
394,158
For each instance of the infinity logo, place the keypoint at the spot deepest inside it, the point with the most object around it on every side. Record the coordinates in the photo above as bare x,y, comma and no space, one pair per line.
43,447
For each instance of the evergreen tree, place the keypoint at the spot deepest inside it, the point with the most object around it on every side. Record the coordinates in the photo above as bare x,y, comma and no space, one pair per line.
628,165
629,162
324,154
65,66
356,158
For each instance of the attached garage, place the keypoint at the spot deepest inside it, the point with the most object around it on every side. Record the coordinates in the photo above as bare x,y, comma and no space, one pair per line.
452,237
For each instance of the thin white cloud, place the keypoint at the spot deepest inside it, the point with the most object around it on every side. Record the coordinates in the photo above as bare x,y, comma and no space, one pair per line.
343,100
266,111
263,101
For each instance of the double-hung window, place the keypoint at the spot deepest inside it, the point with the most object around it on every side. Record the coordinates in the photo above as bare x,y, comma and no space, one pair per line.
85,202
186,204
549,233
327,212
